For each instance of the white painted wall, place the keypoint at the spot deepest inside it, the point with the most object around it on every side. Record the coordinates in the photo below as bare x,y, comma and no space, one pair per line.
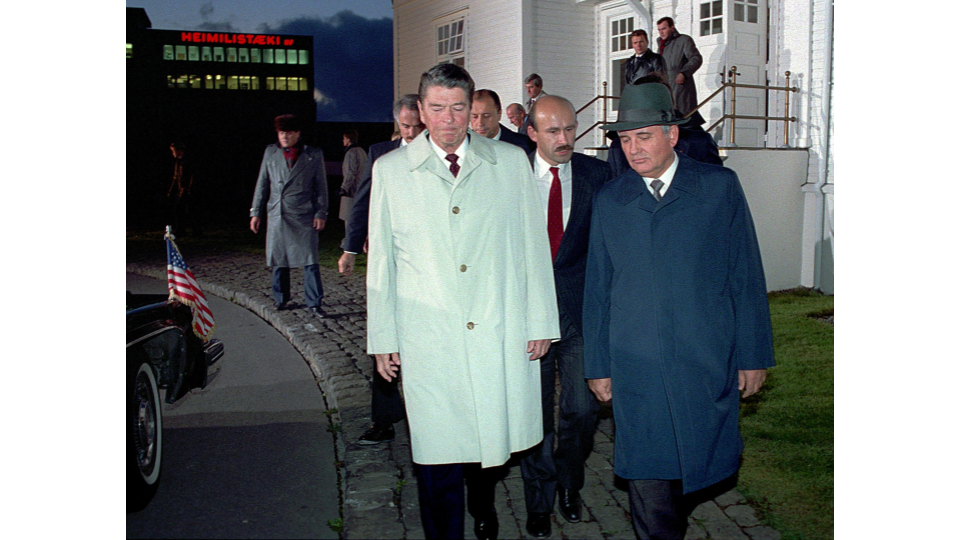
771,180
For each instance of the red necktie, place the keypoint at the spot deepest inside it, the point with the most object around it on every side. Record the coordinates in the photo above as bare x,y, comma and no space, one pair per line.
454,168
555,213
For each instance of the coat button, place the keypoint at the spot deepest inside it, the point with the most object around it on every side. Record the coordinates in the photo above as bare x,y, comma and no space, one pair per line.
463,268
469,326
456,209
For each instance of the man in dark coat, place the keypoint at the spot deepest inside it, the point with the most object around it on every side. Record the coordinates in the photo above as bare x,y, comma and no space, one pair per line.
683,59
386,404
292,191
567,182
675,317
644,62
485,114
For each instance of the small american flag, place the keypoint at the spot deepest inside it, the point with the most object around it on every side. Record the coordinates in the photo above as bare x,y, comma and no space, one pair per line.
183,287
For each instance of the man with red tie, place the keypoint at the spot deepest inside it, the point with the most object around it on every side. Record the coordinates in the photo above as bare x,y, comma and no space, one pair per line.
567,182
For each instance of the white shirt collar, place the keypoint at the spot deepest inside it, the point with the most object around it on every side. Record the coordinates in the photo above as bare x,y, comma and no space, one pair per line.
461,150
543,168
666,177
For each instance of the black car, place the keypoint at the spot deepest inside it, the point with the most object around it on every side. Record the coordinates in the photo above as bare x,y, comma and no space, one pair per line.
162,352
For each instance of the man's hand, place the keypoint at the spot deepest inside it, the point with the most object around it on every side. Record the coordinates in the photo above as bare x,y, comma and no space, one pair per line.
319,224
680,78
538,348
366,245
602,388
751,380
388,365
254,224
345,264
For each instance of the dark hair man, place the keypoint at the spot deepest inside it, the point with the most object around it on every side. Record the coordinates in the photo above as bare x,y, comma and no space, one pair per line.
485,117
457,289
682,59
675,315
567,182
534,85
386,404
292,191
645,61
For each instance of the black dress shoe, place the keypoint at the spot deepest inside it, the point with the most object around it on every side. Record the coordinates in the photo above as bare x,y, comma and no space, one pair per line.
570,507
279,306
376,435
487,528
538,524
318,312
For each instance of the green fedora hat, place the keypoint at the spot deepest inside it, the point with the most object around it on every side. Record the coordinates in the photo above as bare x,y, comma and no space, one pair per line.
645,105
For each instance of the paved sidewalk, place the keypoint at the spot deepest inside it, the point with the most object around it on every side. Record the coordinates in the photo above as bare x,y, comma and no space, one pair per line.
378,486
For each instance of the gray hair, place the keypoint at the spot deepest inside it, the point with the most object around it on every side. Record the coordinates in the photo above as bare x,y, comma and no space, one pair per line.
533,109
448,76
406,101
535,79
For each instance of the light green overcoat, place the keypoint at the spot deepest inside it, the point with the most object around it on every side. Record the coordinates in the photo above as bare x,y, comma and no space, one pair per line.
459,279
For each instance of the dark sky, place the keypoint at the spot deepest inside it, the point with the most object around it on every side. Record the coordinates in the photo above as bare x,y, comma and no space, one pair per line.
353,48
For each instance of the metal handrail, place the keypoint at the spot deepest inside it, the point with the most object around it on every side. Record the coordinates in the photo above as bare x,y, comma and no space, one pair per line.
604,97
733,116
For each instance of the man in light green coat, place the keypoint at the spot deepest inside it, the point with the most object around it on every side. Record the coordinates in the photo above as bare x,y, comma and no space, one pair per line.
460,290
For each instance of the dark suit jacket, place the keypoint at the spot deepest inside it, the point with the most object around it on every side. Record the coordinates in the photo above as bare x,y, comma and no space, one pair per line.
641,66
356,233
569,268
518,139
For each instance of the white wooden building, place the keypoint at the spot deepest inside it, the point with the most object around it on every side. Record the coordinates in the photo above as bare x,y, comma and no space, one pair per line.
578,45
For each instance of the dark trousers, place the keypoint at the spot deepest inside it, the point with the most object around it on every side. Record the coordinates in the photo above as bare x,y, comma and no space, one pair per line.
386,405
312,287
658,509
440,490
542,467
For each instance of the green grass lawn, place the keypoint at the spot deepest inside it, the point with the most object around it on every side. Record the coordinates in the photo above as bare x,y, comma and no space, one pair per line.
787,428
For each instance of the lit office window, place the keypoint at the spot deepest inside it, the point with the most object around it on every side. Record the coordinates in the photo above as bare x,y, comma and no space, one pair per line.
206,54
168,52
193,53
304,56
268,56
233,82
231,54
281,83
218,54
293,84
280,56
208,82
129,50
254,83
269,83
291,56
255,56
220,82
243,54
196,81
244,82
181,52
178,81
303,84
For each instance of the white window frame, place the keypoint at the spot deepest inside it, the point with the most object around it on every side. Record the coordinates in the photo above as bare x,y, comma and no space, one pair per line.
450,37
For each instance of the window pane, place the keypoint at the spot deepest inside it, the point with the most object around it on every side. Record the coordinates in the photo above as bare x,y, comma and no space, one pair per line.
704,11
220,82
206,54
704,28
279,56
460,27
181,52
623,43
195,81
255,56
630,24
459,42
752,14
613,44
254,83
218,54
752,1
244,82
738,12
717,26
168,52
291,56
717,8
268,56
303,84
281,83
193,53
243,54
129,50
269,81
232,82
231,54
304,56
208,82
613,29
183,81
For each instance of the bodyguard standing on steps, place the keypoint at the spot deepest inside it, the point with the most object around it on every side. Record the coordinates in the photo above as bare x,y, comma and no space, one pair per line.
292,191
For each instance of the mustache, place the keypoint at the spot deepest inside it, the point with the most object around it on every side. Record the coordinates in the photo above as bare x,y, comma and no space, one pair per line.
563,148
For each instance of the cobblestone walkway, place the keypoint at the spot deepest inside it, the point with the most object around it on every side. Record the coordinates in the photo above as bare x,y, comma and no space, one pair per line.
378,486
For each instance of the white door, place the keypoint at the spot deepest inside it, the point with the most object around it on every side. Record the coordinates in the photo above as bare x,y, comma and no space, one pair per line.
616,21
747,51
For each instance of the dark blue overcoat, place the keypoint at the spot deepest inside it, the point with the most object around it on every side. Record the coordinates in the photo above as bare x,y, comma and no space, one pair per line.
674,305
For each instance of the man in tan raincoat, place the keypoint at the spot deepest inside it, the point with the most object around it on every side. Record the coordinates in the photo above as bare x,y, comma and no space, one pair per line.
460,294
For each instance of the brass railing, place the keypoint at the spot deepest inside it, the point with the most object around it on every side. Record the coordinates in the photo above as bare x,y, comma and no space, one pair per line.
733,116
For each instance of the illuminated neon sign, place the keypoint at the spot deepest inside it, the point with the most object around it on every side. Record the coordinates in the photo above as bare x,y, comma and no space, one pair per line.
235,39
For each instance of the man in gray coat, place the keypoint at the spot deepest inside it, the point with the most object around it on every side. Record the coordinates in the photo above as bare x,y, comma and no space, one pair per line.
292,190
683,60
